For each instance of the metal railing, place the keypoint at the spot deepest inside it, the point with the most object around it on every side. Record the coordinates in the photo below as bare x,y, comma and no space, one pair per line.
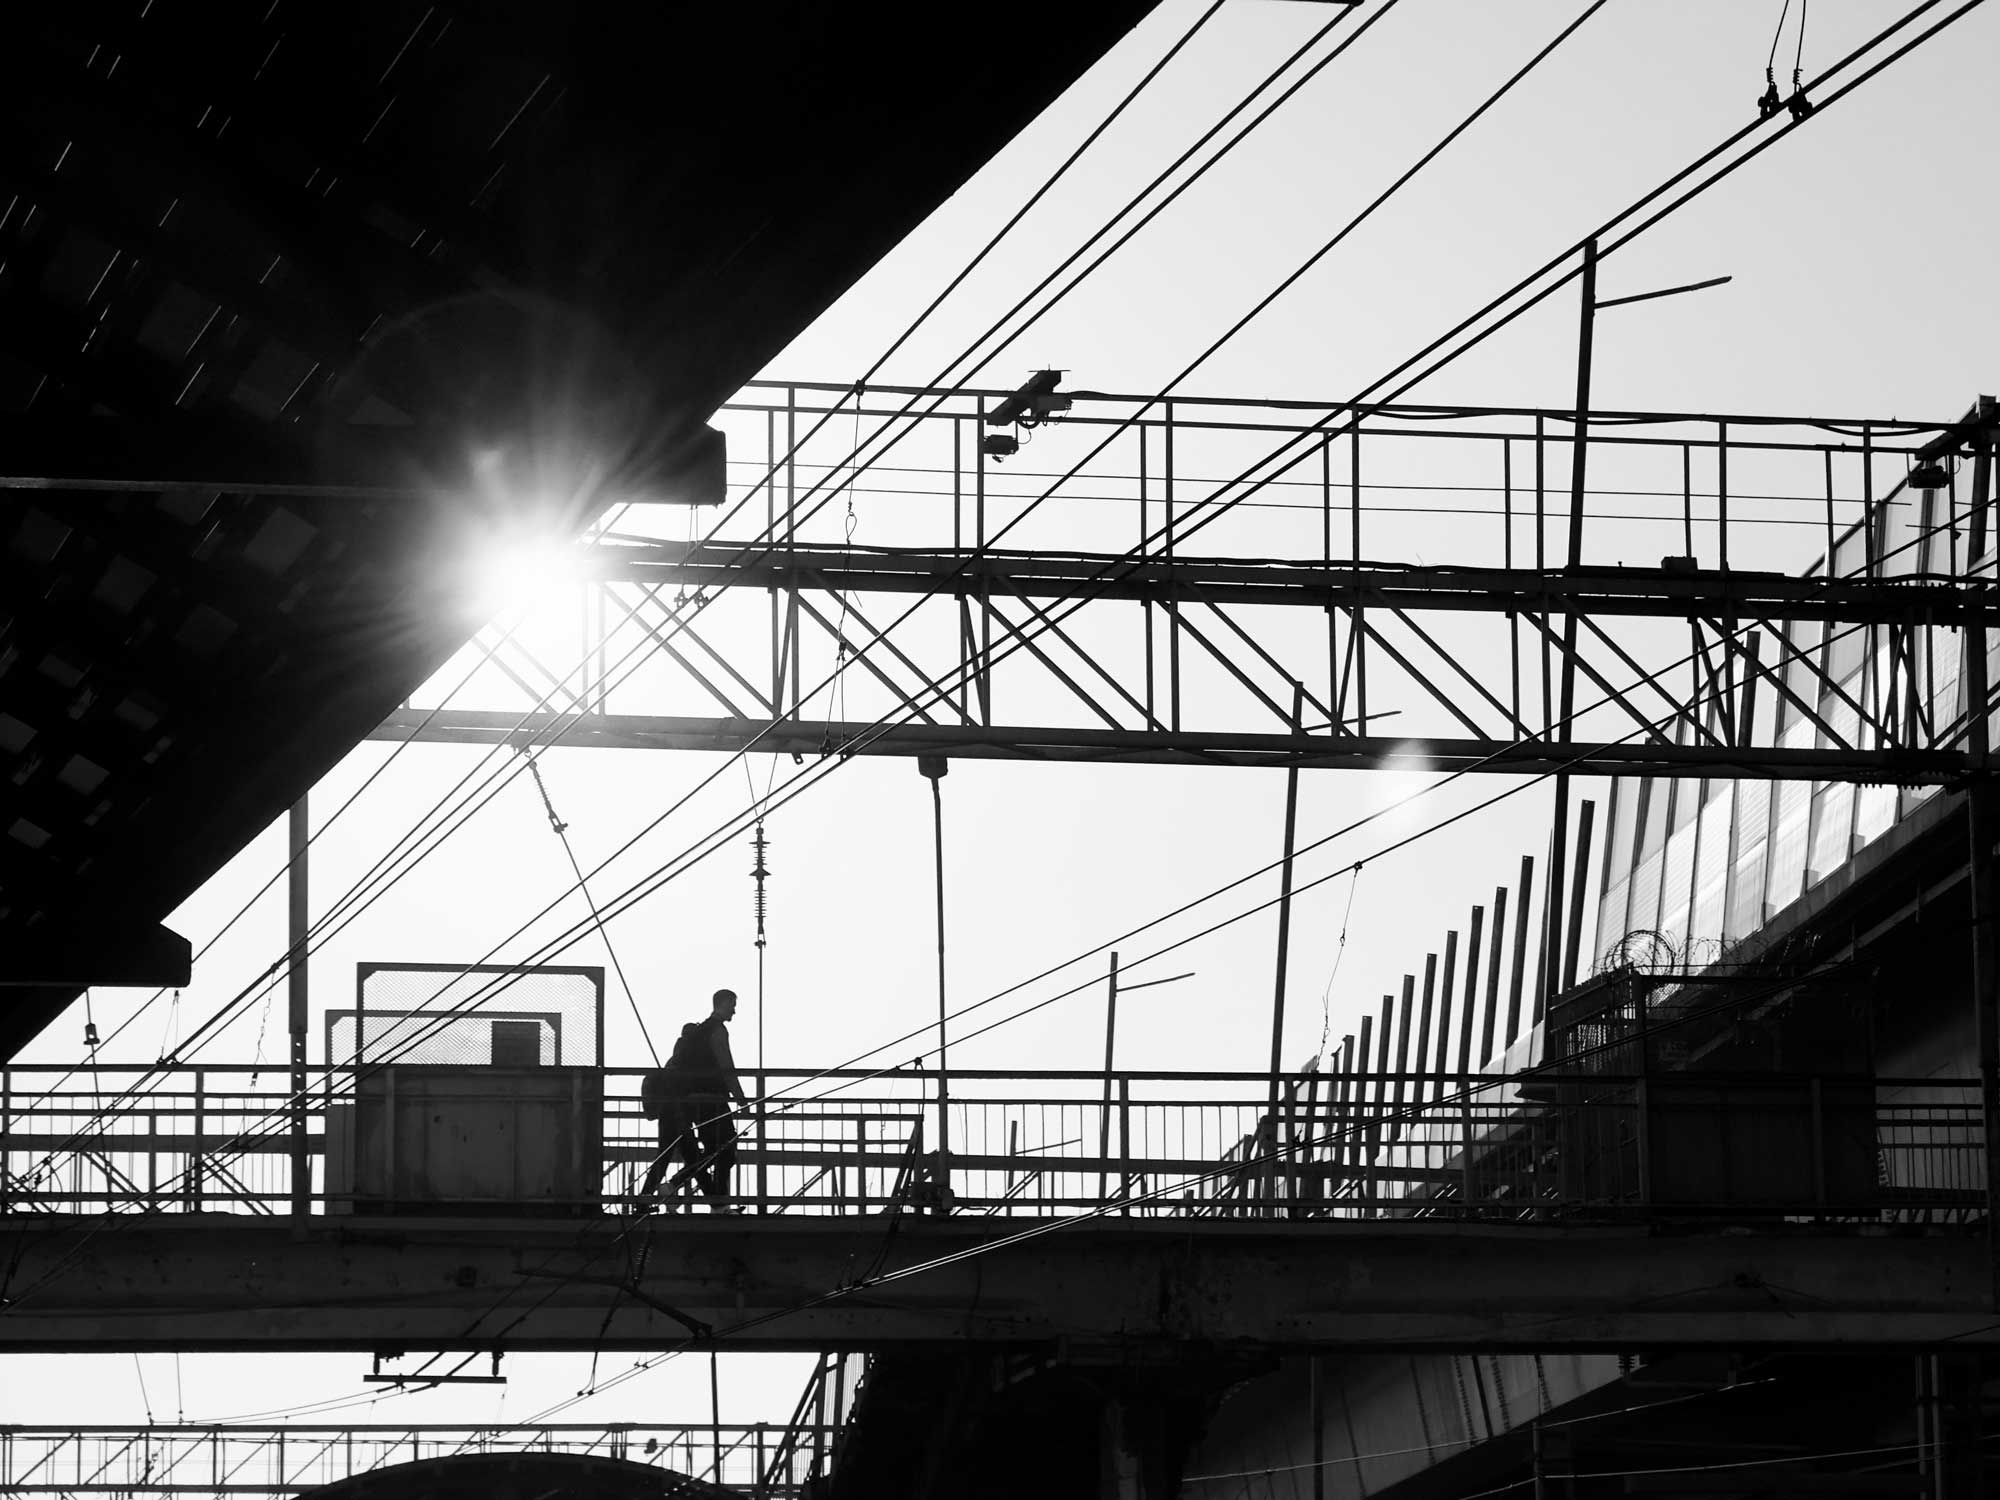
1396,1145
753,1459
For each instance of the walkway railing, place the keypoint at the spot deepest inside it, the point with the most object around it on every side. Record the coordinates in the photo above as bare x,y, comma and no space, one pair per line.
749,1458
1412,1145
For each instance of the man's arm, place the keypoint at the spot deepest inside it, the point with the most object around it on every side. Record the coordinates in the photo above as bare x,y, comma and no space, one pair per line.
726,1064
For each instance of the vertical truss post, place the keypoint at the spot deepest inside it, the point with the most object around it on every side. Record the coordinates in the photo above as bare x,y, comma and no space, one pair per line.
1507,556
1146,602
770,531
786,706
1173,605
984,679
1333,695
297,930
1722,495
965,662
1357,641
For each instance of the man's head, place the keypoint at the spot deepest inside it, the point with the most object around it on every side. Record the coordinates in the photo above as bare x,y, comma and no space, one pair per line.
725,1004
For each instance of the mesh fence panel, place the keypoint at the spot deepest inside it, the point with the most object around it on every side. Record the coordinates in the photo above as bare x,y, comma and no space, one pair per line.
478,1014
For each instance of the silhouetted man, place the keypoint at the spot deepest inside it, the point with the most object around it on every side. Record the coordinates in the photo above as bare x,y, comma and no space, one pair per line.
711,1082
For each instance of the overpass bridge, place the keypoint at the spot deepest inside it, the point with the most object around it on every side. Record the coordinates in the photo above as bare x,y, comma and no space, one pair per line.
1555,1208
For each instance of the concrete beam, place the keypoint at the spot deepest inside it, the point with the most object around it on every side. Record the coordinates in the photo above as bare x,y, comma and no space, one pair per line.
213,1283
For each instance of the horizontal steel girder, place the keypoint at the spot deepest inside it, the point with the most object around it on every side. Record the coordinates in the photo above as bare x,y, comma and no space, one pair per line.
1164,747
1246,1286
1656,592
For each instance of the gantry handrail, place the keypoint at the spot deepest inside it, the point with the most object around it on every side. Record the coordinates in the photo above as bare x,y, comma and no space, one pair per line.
1065,1141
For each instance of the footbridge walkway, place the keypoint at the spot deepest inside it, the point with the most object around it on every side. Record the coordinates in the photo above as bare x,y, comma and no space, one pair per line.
1538,1147
220,1209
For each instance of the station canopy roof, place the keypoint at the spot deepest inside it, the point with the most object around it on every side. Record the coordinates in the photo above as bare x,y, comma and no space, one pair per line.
297,296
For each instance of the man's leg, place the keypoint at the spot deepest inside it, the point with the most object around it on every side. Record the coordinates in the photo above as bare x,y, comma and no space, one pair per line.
718,1140
669,1137
687,1150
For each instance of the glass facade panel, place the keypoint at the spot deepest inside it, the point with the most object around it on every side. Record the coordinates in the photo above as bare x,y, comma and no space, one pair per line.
1901,516
1711,868
1846,645
1874,811
1832,830
1687,796
1611,924
1654,819
1622,837
1787,862
1677,883
1946,647
1744,912
1936,554
1643,913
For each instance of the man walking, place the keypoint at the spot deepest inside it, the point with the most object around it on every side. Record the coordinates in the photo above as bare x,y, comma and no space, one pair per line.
711,1083
664,1098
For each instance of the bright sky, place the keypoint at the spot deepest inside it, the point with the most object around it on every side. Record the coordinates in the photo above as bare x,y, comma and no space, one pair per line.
1861,252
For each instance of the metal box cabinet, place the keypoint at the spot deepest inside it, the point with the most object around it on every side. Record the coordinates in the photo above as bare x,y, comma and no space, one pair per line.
496,1139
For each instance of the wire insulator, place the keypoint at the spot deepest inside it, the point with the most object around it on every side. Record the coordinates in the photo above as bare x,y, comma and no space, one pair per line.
760,905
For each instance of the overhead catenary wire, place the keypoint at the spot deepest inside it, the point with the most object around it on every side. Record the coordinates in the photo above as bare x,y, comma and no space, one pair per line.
561,830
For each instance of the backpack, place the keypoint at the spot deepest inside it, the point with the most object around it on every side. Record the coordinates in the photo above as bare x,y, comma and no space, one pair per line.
656,1092
692,1058
693,1061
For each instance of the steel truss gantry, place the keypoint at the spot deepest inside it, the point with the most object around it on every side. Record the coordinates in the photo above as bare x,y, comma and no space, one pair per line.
1251,622
769,1461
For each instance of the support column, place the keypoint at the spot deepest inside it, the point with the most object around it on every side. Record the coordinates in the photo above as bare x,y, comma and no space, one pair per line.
297,928
1980,827
1132,1451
